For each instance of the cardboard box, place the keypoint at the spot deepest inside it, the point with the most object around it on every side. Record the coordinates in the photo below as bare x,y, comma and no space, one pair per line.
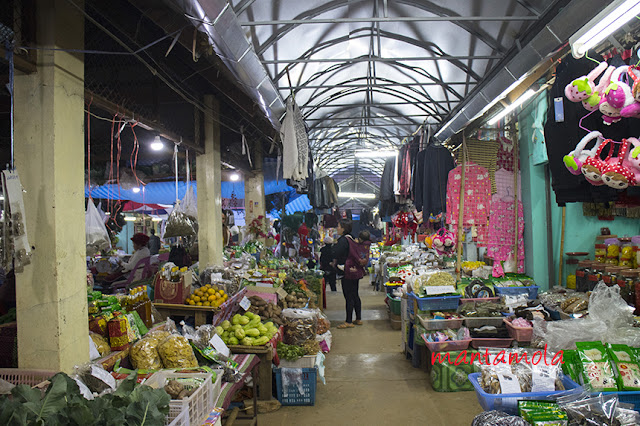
172,292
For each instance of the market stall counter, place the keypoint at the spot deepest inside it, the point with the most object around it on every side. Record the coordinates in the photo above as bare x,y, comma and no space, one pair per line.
198,312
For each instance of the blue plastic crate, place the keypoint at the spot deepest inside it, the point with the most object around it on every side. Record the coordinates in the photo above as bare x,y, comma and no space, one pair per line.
509,402
530,291
293,394
627,397
442,303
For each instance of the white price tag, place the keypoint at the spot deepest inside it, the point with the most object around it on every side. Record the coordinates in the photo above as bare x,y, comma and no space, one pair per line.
509,383
541,380
217,344
281,293
245,303
439,289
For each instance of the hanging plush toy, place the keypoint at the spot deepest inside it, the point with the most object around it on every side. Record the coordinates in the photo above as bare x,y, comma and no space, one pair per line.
617,96
633,110
618,174
583,87
594,166
406,222
444,242
574,160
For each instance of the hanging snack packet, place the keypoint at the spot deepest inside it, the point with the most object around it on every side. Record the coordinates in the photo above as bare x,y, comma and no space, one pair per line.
596,367
626,366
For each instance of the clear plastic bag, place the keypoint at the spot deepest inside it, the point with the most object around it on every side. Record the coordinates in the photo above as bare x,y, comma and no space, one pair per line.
96,232
300,325
498,418
610,321
176,352
183,220
144,353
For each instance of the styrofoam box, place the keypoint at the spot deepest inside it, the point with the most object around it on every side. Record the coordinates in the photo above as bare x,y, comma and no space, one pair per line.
199,404
307,361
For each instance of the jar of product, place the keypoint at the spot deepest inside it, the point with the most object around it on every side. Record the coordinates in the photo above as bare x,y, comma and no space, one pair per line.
572,261
611,261
601,252
594,275
581,274
610,275
613,248
627,280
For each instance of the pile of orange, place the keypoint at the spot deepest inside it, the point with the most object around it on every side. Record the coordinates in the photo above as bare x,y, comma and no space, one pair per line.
207,296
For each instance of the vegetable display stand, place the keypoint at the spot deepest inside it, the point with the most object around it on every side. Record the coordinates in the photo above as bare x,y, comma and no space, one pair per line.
198,312
291,395
509,402
264,377
199,404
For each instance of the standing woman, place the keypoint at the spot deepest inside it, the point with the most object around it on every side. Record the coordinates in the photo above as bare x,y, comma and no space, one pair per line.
349,286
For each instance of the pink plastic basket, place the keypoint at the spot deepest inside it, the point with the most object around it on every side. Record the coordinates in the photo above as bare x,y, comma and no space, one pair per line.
19,376
450,345
521,334
491,343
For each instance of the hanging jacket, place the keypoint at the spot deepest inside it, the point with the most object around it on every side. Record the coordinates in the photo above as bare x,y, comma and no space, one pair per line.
431,189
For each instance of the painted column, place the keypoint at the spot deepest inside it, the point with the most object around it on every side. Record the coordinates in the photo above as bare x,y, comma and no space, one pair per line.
51,293
254,202
208,176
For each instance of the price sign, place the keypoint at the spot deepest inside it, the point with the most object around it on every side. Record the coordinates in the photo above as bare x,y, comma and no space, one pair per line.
541,380
217,344
281,293
245,303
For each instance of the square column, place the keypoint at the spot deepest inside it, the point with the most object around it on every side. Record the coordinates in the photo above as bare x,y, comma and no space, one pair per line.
51,293
209,181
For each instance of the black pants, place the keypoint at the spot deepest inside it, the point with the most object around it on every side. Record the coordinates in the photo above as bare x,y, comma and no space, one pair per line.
330,279
350,290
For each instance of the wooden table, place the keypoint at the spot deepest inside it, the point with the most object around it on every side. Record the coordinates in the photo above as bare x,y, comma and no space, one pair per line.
198,312
264,377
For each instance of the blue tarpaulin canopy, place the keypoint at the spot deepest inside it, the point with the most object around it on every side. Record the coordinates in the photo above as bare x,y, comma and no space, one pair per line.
165,192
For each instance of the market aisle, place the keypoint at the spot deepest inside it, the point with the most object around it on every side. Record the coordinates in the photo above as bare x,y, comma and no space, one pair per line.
369,382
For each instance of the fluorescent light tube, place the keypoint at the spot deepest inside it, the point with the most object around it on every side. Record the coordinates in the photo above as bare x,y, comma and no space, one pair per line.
526,95
156,219
370,196
376,154
603,25
129,219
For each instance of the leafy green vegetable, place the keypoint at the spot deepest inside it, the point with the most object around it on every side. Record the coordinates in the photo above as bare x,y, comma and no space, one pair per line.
290,352
64,404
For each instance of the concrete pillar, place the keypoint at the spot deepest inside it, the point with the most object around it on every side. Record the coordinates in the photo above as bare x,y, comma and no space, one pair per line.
254,203
209,177
51,293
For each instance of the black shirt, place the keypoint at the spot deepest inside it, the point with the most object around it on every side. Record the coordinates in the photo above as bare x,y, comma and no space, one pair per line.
341,250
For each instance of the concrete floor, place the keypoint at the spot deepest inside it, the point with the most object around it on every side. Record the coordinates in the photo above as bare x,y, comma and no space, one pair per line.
369,381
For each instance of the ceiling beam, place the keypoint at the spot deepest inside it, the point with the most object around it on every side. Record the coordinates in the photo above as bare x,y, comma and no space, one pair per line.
357,117
378,59
380,103
390,19
330,86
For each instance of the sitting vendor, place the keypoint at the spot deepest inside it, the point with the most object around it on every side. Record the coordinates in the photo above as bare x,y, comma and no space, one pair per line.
140,252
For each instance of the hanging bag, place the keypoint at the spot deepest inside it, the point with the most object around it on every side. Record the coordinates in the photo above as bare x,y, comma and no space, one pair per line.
357,259
574,160
96,233
617,175
594,166
183,220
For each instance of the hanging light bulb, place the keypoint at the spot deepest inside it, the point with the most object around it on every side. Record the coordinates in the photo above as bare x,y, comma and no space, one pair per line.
136,190
157,144
234,177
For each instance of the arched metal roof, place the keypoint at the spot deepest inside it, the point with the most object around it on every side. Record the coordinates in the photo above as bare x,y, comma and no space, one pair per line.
367,73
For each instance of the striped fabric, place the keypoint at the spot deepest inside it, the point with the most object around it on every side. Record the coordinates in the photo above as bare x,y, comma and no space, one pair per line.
482,153
246,362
